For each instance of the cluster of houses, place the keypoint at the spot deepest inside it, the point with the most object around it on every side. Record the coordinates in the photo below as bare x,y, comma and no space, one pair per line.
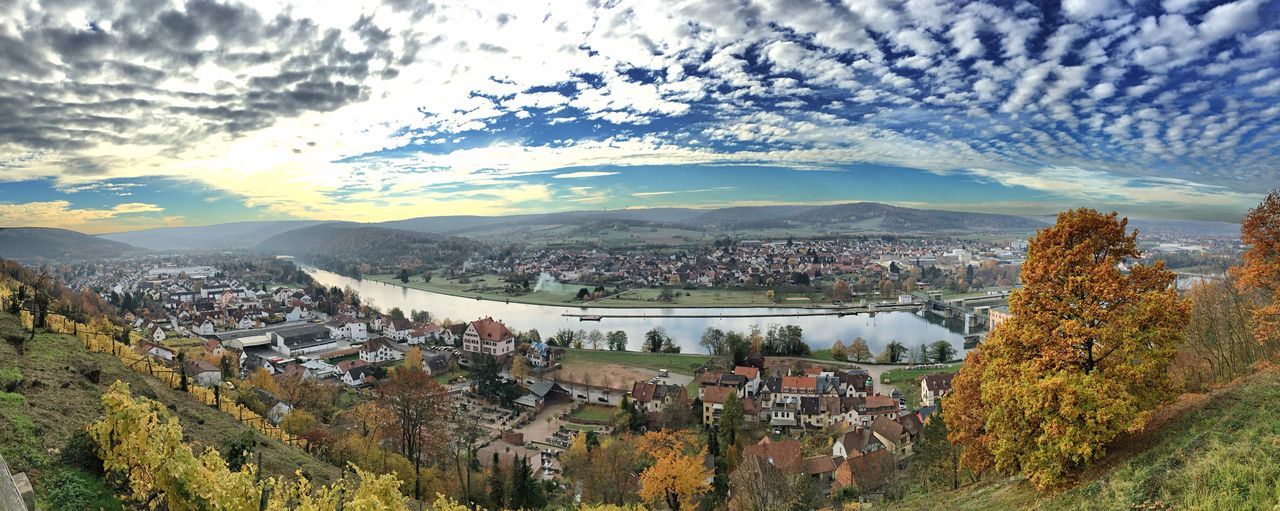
752,262
879,430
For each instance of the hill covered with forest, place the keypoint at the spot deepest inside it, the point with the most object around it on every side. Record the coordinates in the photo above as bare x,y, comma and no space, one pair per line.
340,245
29,244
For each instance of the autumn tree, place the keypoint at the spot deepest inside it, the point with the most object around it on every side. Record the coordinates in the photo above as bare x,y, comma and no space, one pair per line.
1260,232
519,368
712,340
859,351
412,359
757,485
1084,358
894,352
1219,343
840,290
838,351
421,408
299,423
677,476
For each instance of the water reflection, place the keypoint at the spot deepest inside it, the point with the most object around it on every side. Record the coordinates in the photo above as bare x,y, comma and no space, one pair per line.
819,331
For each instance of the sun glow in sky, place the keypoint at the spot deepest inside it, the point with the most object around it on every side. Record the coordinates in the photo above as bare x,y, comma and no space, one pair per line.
127,115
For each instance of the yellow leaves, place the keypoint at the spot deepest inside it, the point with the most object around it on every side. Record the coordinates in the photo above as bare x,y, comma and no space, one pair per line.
675,478
412,359
1084,356
1260,232
137,439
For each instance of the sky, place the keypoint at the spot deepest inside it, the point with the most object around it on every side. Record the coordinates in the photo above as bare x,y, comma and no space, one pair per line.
128,115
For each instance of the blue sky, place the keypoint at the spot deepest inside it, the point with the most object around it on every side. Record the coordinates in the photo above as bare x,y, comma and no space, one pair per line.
127,116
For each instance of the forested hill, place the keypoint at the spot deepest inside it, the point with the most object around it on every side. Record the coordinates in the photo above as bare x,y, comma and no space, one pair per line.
236,235
339,245
30,244
862,216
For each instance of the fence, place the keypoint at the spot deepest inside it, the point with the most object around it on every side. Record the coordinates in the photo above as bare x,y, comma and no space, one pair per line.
96,340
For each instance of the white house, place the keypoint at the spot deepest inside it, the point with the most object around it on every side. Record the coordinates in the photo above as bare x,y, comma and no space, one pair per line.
357,376
488,337
933,387
205,327
345,327
380,350
203,373
397,329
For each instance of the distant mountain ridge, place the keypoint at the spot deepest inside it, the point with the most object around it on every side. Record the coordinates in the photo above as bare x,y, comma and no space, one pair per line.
230,236
28,244
336,244
850,217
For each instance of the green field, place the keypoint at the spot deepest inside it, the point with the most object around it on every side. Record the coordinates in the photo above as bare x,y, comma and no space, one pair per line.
1225,455
677,363
47,397
898,375
595,413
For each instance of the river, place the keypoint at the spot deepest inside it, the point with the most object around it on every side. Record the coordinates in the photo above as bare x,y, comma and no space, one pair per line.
820,332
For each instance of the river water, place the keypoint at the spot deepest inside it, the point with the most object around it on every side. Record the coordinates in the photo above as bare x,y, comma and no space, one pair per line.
820,332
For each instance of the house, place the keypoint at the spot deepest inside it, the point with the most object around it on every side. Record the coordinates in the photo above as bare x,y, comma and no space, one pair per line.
155,350
302,339
203,373
155,333
718,379
783,454
417,336
866,473
251,363
752,375
346,327
276,409
654,397
933,387
380,350
205,327
488,337
318,369
397,328
855,442
894,437
436,362
864,410
821,468
213,348
856,383
359,376
541,355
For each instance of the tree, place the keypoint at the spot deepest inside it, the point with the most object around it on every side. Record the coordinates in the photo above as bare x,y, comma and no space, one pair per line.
655,339
420,316
713,341
1084,358
519,368
1260,232
403,276
594,339
497,484
942,351
669,345
677,477
300,422
617,340
840,290
859,351
412,359
261,378
759,486
182,371
421,408
526,493
731,420
738,347
894,352
838,351
396,313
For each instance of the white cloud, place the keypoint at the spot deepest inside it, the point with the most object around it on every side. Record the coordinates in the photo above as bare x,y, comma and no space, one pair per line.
582,174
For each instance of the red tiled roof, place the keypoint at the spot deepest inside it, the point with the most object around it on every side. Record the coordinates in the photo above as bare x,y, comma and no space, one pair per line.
749,372
717,394
491,330
784,454
802,383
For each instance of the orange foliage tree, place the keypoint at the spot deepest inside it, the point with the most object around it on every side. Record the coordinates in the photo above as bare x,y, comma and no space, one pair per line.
1084,358
1260,232
677,476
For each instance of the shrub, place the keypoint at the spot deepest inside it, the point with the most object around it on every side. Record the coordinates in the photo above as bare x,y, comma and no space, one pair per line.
239,450
10,379
80,452
74,490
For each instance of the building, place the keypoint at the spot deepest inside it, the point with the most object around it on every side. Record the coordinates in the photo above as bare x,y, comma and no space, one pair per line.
997,316
302,339
488,337
933,387
436,362
381,350
654,397
752,374
541,355
203,373
713,403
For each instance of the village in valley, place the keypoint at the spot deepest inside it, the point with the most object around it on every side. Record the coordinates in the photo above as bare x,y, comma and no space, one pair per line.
831,420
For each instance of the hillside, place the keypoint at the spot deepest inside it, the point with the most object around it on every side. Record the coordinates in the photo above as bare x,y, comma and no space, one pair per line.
865,216
48,394
237,235
33,243
1204,452
333,244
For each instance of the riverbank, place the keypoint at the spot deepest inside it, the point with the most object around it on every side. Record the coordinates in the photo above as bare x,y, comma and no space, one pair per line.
488,288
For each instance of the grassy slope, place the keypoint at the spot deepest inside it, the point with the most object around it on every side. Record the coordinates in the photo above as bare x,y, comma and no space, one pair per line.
1222,455
55,400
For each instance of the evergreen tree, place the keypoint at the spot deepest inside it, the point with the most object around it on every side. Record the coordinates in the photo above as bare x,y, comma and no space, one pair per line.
497,485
